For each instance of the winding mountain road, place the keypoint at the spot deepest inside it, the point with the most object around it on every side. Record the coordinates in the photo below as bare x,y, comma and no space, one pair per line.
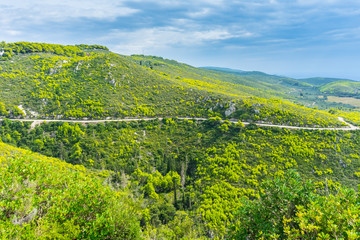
39,121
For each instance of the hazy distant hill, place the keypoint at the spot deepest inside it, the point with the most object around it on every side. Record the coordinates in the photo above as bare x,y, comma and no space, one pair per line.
262,77
342,88
306,91
318,81
315,81
223,69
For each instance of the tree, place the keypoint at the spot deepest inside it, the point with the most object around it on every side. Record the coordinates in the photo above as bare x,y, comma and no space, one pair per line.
6,56
267,217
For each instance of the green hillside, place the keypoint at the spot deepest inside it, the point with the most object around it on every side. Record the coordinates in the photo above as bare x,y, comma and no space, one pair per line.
192,176
45,198
304,92
318,81
261,77
266,99
54,81
342,89
169,178
285,81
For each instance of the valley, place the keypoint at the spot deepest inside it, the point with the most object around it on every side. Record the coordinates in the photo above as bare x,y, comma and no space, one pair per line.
98,145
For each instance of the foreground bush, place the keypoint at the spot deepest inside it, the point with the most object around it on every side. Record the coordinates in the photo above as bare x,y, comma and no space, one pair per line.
292,209
45,198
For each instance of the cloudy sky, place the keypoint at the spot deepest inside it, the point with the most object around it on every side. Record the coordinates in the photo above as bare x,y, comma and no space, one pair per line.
296,38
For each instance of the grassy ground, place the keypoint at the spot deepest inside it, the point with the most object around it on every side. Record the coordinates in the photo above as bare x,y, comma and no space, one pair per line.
345,100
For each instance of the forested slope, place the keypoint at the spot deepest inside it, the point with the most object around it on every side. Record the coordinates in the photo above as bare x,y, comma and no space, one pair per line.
198,170
54,81
342,88
171,178
45,198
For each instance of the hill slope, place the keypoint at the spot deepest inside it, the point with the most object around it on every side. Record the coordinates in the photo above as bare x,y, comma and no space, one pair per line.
261,77
193,173
262,98
318,81
94,83
342,89
179,178
43,198
308,91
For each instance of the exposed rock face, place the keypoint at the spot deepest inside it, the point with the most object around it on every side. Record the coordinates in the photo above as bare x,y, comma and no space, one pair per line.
22,109
25,219
230,110
52,71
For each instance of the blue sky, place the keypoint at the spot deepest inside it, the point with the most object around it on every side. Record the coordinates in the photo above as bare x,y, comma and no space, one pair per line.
296,38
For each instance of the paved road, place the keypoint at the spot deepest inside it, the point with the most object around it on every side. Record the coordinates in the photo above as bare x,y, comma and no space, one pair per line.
39,121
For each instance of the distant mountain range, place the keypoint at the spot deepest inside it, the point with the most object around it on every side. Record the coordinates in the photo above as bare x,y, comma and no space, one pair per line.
332,86
315,81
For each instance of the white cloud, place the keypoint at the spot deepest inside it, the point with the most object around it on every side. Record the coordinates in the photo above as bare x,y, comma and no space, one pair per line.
12,32
143,40
347,34
57,11
328,2
176,3
316,2
34,20
200,13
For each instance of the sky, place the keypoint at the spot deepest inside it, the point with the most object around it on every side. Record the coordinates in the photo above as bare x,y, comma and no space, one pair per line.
295,38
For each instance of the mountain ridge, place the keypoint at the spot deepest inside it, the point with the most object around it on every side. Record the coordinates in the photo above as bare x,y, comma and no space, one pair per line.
73,83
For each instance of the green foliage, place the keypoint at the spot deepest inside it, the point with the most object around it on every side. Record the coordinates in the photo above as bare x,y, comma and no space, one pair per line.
46,198
351,116
10,111
250,102
188,176
194,166
290,208
28,47
274,211
328,217
55,81
91,47
319,81
342,88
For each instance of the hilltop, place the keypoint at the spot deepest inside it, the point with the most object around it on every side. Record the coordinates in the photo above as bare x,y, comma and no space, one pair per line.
342,88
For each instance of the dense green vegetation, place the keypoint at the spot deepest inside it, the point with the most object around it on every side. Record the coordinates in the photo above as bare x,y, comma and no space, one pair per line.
171,178
352,116
307,91
98,84
292,209
91,47
45,198
17,48
194,172
342,88
319,81
261,78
